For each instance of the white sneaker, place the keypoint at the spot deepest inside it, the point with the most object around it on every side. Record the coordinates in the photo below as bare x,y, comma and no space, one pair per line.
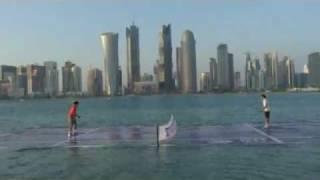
266,126
69,134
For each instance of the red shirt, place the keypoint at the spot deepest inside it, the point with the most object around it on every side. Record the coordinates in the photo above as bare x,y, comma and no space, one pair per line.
72,111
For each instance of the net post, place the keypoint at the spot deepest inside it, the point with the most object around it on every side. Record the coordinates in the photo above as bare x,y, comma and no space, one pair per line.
157,131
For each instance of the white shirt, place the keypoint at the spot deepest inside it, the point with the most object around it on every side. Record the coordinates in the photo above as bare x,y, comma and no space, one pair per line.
265,105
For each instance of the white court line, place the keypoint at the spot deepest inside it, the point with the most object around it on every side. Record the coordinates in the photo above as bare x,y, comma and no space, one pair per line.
264,134
64,141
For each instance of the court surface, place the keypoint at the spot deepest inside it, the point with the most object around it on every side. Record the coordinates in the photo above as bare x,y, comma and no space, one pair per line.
242,134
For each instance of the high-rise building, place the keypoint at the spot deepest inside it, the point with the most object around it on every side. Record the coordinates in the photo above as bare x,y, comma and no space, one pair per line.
314,69
188,63
268,70
231,71
67,78
262,78
111,62
286,73
254,74
22,79
224,68
248,72
71,78
275,71
291,73
213,73
179,68
36,77
237,81
77,79
94,82
205,82
164,63
301,80
283,73
271,67
119,81
9,73
52,78
133,56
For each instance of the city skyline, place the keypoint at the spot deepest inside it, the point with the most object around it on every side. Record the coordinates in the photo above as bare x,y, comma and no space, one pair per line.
69,33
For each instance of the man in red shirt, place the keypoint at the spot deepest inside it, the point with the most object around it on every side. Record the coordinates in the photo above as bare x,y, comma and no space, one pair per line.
72,118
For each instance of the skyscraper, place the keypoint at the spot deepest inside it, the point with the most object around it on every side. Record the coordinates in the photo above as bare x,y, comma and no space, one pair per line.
224,67
36,79
314,69
9,73
237,81
22,79
52,78
253,72
213,73
268,70
179,68
71,78
286,73
271,67
275,71
188,63
248,72
94,82
231,71
111,62
133,56
77,79
164,64
291,73
204,82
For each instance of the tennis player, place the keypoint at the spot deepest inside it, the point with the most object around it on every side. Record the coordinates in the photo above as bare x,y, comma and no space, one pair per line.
72,118
266,110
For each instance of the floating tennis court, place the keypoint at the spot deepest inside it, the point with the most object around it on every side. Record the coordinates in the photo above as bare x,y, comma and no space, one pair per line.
242,134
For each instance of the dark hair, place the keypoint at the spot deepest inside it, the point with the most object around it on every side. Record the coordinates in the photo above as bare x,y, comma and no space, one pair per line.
263,95
76,102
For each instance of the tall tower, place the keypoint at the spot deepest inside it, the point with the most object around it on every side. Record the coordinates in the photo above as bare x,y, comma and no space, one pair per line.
77,78
268,70
35,79
223,67
179,68
52,78
231,71
94,82
71,78
275,71
164,64
314,72
133,56
188,63
213,73
111,62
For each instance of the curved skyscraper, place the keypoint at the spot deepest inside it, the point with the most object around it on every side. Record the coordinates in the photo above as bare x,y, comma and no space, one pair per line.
188,63
111,62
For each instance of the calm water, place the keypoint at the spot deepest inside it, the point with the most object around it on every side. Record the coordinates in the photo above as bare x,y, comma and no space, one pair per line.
178,162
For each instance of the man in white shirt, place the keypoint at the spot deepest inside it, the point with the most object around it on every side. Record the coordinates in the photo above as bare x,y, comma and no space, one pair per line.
266,110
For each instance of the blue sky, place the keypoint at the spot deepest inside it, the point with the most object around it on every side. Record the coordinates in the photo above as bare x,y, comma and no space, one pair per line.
34,31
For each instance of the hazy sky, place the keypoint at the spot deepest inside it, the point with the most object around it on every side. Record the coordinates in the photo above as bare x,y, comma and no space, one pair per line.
35,31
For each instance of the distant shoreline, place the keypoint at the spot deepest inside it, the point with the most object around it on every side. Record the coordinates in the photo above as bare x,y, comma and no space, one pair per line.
159,94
